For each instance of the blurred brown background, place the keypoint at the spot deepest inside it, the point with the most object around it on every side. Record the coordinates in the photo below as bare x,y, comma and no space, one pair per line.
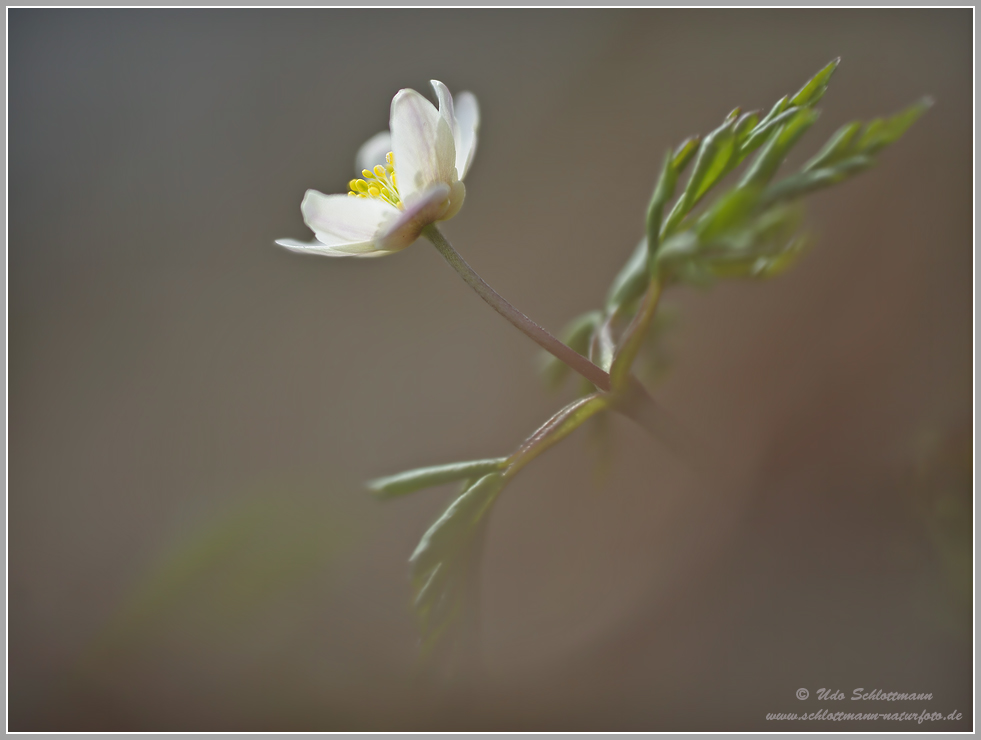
192,409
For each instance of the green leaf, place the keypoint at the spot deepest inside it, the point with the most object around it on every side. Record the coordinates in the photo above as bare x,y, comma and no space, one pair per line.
694,273
880,133
711,164
804,183
576,335
662,194
455,525
777,264
815,87
765,129
746,123
601,346
784,109
759,266
414,480
734,239
578,331
757,263
728,212
756,136
679,248
631,282
779,107
765,166
838,147
848,152
716,161
777,225
442,565
685,152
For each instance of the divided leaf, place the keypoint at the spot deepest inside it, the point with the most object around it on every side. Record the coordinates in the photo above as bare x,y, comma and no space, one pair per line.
746,232
711,164
442,566
850,150
882,132
765,166
838,147
415,480
729,243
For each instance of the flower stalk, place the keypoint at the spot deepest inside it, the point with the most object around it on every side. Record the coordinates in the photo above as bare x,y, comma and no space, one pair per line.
591,372
620,391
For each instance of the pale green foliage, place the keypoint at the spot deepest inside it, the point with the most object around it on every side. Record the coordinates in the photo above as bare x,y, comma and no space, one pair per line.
442,563
749,230
221,575
414,480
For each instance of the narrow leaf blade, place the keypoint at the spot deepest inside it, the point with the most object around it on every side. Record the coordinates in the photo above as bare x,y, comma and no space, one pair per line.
815,87
631,281
400,484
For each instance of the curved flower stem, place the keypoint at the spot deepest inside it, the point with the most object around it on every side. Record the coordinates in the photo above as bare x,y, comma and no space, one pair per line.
591,372
631,399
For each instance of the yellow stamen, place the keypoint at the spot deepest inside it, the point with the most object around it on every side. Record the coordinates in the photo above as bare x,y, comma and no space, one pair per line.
379,182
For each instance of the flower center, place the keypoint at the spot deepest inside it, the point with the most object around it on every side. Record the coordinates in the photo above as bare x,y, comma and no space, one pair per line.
379,183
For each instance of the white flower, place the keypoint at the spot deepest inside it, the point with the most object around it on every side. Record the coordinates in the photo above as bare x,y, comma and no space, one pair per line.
412,177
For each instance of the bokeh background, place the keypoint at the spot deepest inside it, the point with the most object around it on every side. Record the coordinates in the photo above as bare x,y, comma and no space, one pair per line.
192,410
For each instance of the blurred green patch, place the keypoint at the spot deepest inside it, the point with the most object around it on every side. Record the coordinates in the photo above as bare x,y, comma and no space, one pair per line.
942,487
224,573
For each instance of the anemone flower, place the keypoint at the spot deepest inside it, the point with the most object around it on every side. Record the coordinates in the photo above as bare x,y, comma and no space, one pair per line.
411,176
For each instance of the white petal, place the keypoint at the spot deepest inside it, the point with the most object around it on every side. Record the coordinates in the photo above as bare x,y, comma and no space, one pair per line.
318,247
342,219
373,151
421,210
422,141
457,193
446,109
468,121
463,118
